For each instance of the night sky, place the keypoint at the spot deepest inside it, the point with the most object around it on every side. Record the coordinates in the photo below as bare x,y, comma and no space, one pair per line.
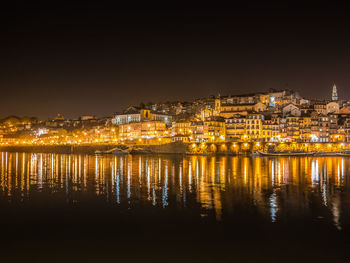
97,59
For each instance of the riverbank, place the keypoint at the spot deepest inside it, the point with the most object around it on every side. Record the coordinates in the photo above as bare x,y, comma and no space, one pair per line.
170,148
240,148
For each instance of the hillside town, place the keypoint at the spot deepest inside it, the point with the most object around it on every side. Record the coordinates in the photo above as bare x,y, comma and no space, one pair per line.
274,116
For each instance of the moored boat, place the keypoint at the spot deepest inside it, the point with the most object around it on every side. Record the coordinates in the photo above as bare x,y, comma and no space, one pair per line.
283,153
201,154
121,149
345,153
326,154
139,150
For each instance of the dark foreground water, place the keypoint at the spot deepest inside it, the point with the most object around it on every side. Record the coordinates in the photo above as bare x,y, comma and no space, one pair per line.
80,208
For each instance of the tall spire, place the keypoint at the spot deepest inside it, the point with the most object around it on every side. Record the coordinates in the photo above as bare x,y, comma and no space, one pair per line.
334,93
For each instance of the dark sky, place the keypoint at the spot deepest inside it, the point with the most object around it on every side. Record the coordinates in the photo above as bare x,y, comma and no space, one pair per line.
97,59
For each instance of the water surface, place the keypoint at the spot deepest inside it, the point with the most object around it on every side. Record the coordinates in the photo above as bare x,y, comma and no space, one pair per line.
220,204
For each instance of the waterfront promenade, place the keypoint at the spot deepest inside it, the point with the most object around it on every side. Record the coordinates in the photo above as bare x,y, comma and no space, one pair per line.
229,148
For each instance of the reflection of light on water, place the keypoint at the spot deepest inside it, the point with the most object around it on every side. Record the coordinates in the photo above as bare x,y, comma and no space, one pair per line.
217,185
210,186
323,185
204,166
40,171
154,198
79,166
2,172
245,172
23,175
121,164
283,171
324,194
75,174
336,211
273,206
338,173
61,167
118,188
66,178
85,169
154,194
148,179
180,178
189,175
280,170
7,163
69,165
165,187
97,175
16,170
117,181
314,172
129,174
197,170
159,169
183,192
8,176
273,172
223,173
140,171
52,166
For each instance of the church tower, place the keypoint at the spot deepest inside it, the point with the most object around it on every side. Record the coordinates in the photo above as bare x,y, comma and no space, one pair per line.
334,93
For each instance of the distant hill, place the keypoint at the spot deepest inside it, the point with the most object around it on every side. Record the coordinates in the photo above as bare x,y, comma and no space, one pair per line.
16,120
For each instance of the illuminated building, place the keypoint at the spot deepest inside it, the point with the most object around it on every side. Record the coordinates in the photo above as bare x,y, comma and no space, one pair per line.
291,109
214,129
293,128
207,112
59,121
197,128
305,128
273,98
181,131
87,118
59,117
138,123
332,107
346,129
270,129
135,114
235,127
254,126
333,123
320,107
142,130
274,116
344,110
320,127
228,110
334,93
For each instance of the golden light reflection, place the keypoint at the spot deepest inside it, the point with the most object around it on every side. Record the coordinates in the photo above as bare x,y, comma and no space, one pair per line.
217,184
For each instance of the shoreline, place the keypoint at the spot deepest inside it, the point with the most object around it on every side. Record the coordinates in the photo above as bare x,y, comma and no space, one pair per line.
171,148
176,148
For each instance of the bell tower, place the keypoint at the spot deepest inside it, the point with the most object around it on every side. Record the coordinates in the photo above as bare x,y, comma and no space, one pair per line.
334,93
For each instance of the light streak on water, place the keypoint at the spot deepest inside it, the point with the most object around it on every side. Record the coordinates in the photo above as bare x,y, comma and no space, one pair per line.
273,206
221,185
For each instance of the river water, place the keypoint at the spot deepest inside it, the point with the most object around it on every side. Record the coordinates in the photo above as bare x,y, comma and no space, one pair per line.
150,208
